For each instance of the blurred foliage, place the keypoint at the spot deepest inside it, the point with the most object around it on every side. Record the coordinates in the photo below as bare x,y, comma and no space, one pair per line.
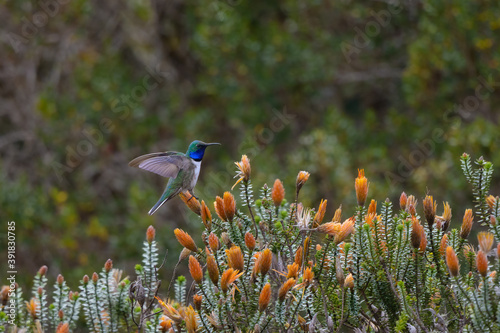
322,86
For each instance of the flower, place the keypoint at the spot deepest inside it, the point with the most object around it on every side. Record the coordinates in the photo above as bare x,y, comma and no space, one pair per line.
416,233
244,170
195,270
372,208
32,307
302,178
411,205
278,193
320,215
265,297
307,278
197,299
191,201
298,256
349,281
466,224
213,242
303,217
229,206
443,244
346,229
485,240
62,328
293,270
330,228
482,263
235,258
402,201
150,234
185,240
219,208
264,262
445,219
452,261
206,216
361,186
429,209
491,201
213,270
249,241
165,323
227,278
337,217
285,288
170,311
190,320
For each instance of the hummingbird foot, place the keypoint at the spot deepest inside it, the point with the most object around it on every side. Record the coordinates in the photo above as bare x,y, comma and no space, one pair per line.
192,195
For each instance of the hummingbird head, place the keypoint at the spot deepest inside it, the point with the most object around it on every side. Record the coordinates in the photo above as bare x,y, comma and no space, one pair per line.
197,148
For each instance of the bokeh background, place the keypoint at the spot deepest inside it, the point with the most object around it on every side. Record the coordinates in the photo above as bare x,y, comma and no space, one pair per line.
398,88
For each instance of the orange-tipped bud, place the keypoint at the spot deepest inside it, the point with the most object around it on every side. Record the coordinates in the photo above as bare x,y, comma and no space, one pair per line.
402,201
423,242
191,201
429,209
416,233
264,262
466,224
43,270
411,205
285,288
219,208
482,263
85,279
227,278
307,277
278,193
213,270
197,299
298,256
372,208
293,271
150,234
108,266
485,240
32,307
443,244
302,178
337,217
185,240
249,241
229,206
244,170
190,320
62,328
452,261
493,220
95,277
265,297
498,250
184,254
491,201
165,324
60,279
349,281
235,258
330,228
195,270
320,215
345,230
213,242
206,216
361,186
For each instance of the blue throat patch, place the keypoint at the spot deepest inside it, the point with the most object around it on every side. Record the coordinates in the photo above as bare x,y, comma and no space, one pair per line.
197,155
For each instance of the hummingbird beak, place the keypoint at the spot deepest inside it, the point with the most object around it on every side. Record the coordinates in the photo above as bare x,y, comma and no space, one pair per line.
212,144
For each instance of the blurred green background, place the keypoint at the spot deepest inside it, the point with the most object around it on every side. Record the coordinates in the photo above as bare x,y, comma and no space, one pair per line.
400,89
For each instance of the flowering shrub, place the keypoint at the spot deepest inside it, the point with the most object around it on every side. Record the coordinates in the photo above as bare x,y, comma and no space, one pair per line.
269,265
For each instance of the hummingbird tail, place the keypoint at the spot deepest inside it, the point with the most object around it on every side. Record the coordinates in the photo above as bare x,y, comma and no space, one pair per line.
164,198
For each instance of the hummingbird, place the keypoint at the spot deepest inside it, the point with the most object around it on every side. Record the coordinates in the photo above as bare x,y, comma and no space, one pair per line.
182,169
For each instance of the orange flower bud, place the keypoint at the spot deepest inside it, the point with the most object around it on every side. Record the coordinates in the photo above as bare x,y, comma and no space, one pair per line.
429,209
190,320
195,270
285,288
402,201
330,228
307,278
278,193
493,220
491,201
337,217
85,279
265,297
197,299
62,328
213,242
165,323
345,230
298,256
235,258
95,277
108,265
43,270
416,233
466,224
229,206
264,262
482,263
293,270
228,277
32,307
452,261
372,208
320,215
443,244
411,205
498,250
213,270
184,254
191,201
249,241
206,216
185,240
302,178
60,314
244,170
349,281
361,186
150,234
485,240
60,279
219,208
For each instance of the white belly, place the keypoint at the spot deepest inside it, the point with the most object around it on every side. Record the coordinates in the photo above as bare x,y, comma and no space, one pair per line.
197,166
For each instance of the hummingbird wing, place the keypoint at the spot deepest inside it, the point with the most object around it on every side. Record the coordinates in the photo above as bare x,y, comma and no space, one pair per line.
166,164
